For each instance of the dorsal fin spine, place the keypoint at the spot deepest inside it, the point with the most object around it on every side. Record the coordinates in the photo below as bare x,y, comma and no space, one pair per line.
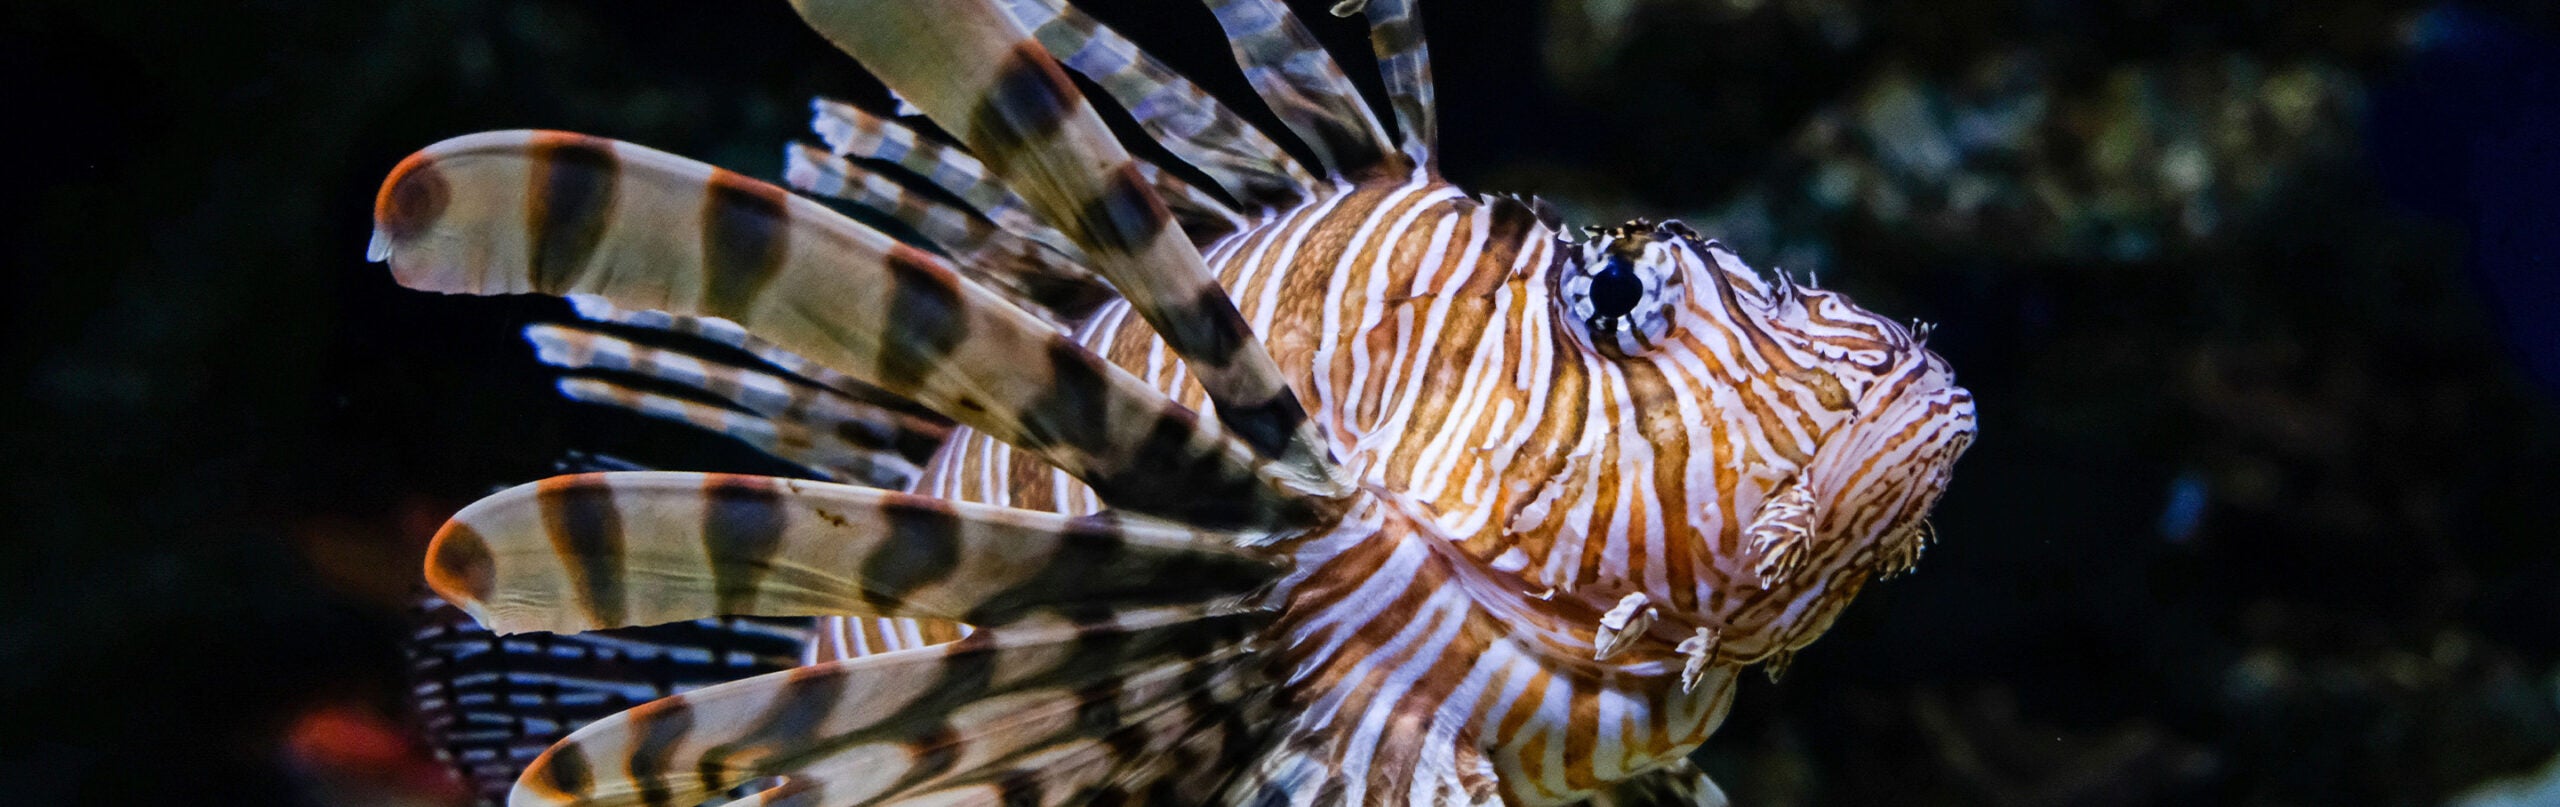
1304,86
1185,119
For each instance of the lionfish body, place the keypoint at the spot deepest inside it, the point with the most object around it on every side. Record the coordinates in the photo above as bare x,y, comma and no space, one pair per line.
1485,513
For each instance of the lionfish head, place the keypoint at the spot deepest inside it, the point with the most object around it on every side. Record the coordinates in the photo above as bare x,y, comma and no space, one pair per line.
1841,425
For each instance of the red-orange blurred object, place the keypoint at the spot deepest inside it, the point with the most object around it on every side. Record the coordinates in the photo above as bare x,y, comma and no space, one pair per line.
353,754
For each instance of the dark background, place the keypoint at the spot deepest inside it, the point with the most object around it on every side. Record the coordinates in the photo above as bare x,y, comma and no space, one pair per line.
2258,300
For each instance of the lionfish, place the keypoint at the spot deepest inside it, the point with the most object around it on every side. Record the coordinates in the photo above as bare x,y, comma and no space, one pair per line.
1485,510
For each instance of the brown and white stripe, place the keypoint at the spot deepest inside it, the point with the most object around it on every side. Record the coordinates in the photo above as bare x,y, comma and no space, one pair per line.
606,550
1430,479
1017,110
1027,270
514,212
1303,85
722,332
851,132
1186,120
1422,322
1404,61
826,414
824,455
1048,712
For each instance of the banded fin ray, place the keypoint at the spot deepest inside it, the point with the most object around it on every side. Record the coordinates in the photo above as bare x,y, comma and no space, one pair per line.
1304,86
730,334
850,636
1206,753
1185,119
1202,217
606,550
1102,744
860,425
490,704
558,213
1404,61
926,725
1031,271
1025,266
850,131
823,455
971,67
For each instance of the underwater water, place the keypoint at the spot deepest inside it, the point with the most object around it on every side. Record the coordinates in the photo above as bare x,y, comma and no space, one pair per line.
2258,304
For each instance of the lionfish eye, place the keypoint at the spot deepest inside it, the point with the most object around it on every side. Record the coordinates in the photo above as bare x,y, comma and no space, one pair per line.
1621,288
1615,290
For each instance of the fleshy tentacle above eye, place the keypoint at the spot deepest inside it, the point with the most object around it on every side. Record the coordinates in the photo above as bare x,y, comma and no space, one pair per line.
557,213
972,67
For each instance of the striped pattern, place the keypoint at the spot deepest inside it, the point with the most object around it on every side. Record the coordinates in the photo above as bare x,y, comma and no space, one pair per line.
851,132
729,334
1568,472
839,637
490,704
994,230
834,435
1201,217
1404,59
1028,270
513,212
1049,713
1178,114
1491,513
606,550
1015,107
1304,86
817,452
863,423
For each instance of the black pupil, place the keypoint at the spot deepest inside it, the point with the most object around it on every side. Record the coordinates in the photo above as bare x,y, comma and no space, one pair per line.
1615,290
